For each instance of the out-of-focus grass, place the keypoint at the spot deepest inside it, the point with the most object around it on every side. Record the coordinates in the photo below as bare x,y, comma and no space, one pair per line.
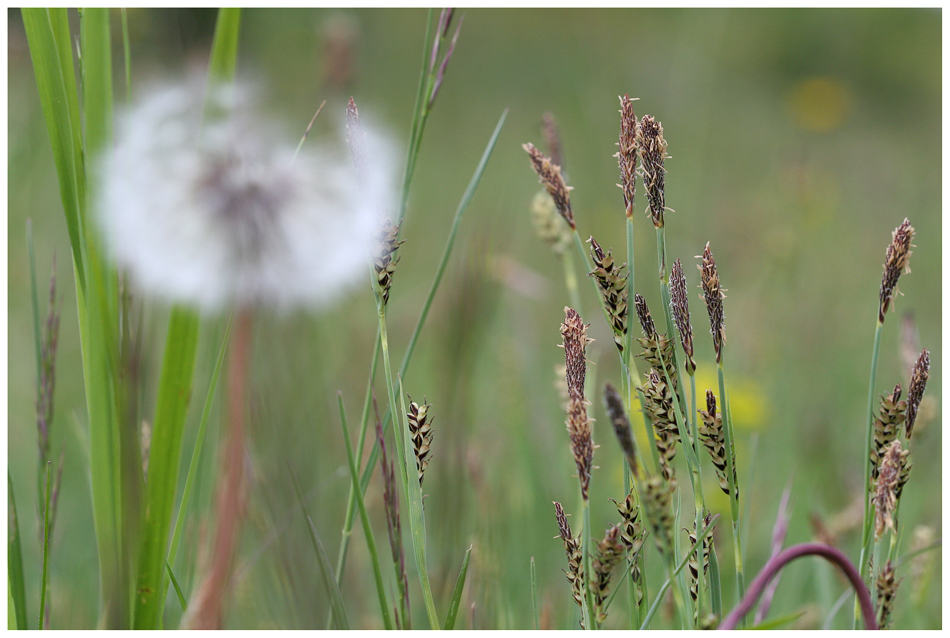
799,140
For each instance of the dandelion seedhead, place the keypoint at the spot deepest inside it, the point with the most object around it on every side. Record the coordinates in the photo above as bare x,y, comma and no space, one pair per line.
680,307
657,499
549,174
886,593
713,296
658,403
612,282
618,418
896,260
711,434
575,561
385,259
887,426
628,152
574,334
607,554
548,224
885,493
652,149
215,210
918,383
420,430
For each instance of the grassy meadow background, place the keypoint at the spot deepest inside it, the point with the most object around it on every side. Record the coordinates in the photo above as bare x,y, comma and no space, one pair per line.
799,140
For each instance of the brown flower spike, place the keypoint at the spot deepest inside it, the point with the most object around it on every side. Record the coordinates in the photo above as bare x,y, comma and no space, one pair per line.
612,282
550,175
680,307
711,434
627,155
886,592
918,383
574,335
887,426
385,260
897,260
658,403
885,493
713,296
420,429
575,562
618,418
607,554
652,149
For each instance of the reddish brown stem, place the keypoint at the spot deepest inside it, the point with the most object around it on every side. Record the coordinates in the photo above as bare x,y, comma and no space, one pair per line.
775,565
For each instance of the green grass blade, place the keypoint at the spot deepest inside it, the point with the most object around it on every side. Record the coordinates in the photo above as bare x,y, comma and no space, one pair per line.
777,623
460,586
181,597
224,48
534,595
15,579
326,569
417,519
364,518
196,455
49,491
715,582
174,393
127,55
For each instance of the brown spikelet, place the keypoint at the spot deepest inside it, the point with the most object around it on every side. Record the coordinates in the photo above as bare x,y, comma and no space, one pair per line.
693,564
711,434
713,296
574,335
575,562
657,497
393,526
627,153
652,149
612,282
618,418
896,260
657,348
918,383
608,552
550,175
420,429
885,493
552,137
631,535
904,474
548,224
887,426
886,592
680,307
658,403
385,259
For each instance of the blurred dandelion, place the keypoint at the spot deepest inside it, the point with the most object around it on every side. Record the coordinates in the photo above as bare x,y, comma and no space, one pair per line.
211,206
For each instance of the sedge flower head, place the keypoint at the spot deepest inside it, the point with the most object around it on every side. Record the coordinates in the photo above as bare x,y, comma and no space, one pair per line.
205,204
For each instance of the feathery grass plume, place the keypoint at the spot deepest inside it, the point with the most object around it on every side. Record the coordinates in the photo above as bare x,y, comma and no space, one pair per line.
658,402
574,335
713,296
693,564
886,593
608,553
887,426
631,534
657,499
618,418
711,434
548,224
552,137
575,563
918,383
420,430
652,149
896,260
612,282
680,307
628,152
549,174
385,259
657,348
885,492
393,526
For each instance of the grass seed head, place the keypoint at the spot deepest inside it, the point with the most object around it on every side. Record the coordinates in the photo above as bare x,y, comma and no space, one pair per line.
680,307
711,434
896,260
918,383
550,175
885,495
385,259
420,429
612,282
886,593
607,554
575,561
618,418
693,563
548,224
657,348
713,296
575,340
652,149
887,426
657,499
628,153
658,403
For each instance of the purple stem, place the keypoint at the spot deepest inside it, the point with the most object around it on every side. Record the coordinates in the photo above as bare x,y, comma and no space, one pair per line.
779,532
776,563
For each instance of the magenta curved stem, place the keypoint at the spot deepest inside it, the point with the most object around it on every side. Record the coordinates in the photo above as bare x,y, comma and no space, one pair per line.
775,565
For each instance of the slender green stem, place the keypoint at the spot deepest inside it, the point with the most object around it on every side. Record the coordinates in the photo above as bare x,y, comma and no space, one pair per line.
570,280
534,596
46,539
731,476
127,55
364,518
591,615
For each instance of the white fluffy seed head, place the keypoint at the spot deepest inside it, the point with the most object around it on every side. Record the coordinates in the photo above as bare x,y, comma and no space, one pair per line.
219,211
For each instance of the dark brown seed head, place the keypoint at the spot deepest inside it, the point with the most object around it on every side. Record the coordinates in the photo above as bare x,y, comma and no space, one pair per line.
657,497
420,429
385,259
713,296
693,562
652,149
680,307
711,434
896,260
612,282
643,314
886,427
658,403
627,155
607,554
575,563
582,444
885,494
618,418
657,348
918,383
631,530
550,175
574,335
886,593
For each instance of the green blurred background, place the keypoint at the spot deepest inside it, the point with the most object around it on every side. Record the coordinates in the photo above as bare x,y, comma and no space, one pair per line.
799,139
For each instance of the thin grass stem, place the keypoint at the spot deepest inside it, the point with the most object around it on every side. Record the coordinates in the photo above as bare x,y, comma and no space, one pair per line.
534,596
730,474
46,540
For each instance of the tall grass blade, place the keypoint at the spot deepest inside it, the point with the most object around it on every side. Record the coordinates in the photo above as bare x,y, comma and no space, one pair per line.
15,579
326,569
181,596
224,47
534,595
460,586
777,623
